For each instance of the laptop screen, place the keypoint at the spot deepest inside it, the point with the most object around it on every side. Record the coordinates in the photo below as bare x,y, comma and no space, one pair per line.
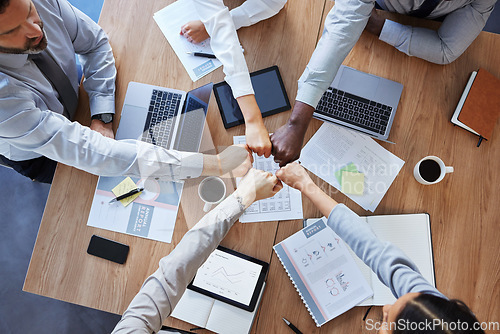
192,119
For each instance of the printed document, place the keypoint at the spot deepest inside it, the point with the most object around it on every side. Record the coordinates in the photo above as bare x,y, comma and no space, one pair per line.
323,272
151,215
334,149
285,205
170,20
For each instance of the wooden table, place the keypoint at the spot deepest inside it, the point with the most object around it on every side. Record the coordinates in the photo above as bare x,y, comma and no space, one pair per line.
464,207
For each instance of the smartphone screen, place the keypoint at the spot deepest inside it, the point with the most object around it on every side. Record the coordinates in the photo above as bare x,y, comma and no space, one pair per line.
108,249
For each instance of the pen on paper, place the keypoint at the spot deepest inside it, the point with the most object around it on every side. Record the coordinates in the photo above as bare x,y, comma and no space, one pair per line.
130,193
202,54
292,327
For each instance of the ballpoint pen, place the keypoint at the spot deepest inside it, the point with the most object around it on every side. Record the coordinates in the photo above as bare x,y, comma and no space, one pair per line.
292,327
202,54
130,193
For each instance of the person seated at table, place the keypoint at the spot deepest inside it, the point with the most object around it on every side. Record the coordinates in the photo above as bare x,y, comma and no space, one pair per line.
161,291
418,301
221,24
35,131
464,20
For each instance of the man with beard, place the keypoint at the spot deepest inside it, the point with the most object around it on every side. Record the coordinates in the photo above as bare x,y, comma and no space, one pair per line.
39,94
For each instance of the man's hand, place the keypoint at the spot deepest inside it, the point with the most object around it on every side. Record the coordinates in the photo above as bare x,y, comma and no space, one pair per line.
105,129
194,31
375,23
287,141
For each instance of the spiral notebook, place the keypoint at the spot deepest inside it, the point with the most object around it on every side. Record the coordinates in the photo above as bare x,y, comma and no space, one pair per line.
323,272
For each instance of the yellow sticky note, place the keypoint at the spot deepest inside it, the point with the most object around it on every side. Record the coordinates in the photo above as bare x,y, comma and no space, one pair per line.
124,187
353,183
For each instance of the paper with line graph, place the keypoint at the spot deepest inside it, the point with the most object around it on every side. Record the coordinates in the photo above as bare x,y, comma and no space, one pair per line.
228,276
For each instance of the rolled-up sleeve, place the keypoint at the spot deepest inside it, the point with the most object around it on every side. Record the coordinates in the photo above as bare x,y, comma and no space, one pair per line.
458,30
253,11
161,291
343,26
27,128
91,44
225,45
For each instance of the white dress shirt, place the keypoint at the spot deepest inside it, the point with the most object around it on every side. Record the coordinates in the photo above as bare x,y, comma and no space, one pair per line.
345,22
161,291
221,24
31,120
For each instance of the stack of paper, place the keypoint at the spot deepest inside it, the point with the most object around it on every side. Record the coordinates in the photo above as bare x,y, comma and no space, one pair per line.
170,20
338,156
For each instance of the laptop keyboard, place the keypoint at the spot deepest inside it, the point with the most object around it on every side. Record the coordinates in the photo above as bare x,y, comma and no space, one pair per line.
162,109
355,110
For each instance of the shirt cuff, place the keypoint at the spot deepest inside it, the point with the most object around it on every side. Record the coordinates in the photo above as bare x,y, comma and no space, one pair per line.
309,94
240,84
102,104
240,18
390,32
191,165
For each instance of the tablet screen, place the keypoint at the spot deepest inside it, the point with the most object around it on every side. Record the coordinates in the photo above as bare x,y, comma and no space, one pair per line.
232,277
269,91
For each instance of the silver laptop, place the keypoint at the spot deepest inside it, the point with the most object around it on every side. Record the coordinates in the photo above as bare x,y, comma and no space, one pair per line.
166,117
360,101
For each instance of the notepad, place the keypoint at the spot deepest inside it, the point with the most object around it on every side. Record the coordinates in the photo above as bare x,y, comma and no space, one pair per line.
124,187
409,232
479,106
323,271
214,315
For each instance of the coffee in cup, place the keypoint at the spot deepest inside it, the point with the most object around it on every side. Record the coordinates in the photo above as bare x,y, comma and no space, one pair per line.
430,170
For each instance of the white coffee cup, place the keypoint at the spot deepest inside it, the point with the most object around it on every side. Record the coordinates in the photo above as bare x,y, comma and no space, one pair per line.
211,190
431,170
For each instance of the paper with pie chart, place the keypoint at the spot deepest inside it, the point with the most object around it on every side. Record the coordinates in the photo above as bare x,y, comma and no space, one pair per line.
151,215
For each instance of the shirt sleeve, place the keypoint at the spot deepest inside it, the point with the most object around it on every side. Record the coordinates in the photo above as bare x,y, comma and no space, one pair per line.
343,25
27,128
96,56
225,45
161,291
253,11
391,265
458,30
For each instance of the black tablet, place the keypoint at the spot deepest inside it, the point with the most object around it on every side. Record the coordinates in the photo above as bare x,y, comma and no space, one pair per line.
231,277
270,94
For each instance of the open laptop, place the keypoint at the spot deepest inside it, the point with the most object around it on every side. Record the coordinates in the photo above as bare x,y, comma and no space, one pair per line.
360,101
166,117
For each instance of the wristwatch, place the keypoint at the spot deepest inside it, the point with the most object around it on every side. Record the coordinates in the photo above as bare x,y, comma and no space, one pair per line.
105,118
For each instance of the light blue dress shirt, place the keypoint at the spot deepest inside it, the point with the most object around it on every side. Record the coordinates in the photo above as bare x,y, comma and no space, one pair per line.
347,19
391,265
31,120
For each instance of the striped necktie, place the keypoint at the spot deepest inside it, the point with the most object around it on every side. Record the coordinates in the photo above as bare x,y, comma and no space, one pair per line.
53,72
425,9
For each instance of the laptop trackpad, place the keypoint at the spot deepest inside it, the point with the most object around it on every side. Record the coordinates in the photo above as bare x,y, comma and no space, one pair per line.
358,83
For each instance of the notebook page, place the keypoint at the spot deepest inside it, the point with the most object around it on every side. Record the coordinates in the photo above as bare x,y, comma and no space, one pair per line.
410,233
323,272
230,319
193,307
365,270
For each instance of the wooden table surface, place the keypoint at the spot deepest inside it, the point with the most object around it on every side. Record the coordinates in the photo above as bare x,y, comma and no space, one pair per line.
464,207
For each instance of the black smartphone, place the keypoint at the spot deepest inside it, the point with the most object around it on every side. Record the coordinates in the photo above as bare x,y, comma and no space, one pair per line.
108,249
